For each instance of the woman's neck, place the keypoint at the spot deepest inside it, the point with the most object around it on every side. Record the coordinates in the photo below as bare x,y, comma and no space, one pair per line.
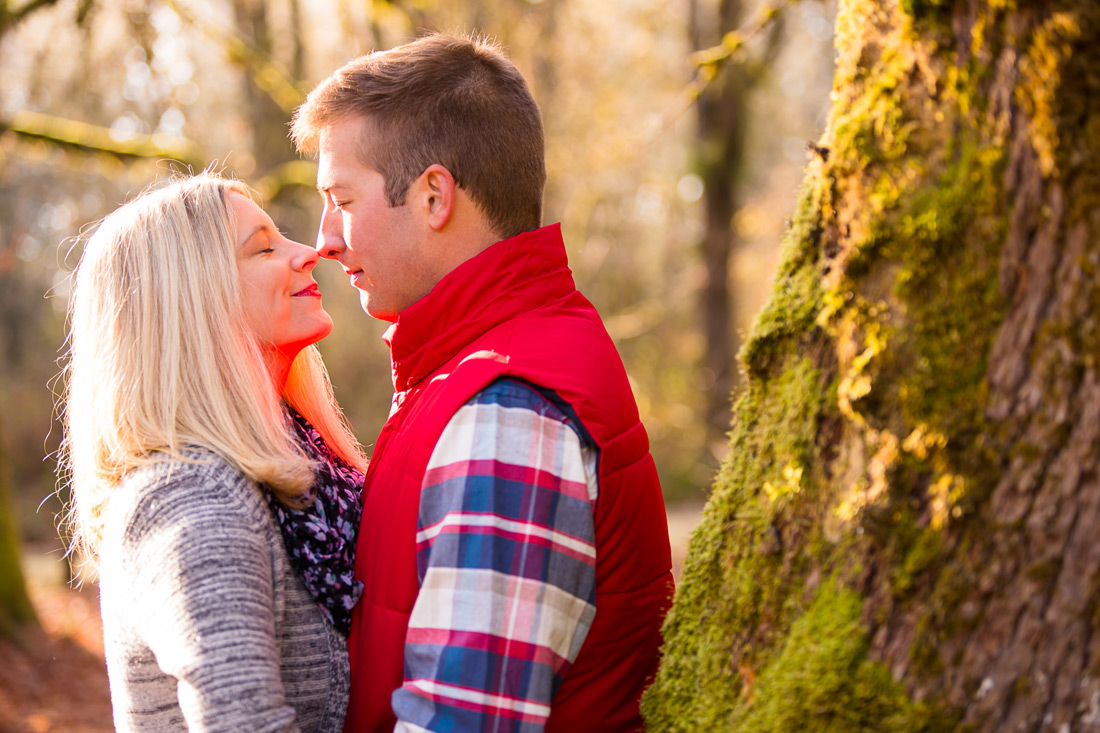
278,366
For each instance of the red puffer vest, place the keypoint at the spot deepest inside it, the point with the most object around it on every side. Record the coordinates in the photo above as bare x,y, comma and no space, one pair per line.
513,311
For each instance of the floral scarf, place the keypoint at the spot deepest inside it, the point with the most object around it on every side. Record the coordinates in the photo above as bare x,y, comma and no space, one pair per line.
321,539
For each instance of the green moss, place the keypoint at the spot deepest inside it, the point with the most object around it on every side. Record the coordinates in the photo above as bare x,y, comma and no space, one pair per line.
1059,90
921,301
923,10
924,651
1064,117
743,580
928,364
740,577
876,128
923,555
796,299
823,681
934,362
951,292
1044,572
921,377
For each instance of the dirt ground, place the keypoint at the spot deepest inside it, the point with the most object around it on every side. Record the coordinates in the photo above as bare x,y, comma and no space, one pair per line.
53,679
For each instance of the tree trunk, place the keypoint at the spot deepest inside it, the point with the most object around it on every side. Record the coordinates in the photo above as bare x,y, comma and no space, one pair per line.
15,605
266,119
905,535
721,141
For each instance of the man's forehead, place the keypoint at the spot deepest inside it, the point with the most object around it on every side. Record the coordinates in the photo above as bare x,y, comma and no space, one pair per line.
339,151
346,131
327,177
336,172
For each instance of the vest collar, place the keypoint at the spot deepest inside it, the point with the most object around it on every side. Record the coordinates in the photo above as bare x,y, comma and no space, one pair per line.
507,279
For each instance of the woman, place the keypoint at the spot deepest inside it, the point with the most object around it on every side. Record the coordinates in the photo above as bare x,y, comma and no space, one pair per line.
208,460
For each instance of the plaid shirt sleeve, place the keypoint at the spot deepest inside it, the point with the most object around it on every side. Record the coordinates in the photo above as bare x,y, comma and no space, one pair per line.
507,561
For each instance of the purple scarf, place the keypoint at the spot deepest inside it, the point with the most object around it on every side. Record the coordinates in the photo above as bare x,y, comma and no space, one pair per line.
320,540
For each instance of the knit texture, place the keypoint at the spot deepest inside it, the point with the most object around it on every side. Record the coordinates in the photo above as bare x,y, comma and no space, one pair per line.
206,624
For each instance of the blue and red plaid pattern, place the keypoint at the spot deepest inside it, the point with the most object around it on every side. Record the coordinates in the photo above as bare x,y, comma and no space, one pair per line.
507,561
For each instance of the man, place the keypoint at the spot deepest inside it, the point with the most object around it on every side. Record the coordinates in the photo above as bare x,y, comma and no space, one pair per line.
513,545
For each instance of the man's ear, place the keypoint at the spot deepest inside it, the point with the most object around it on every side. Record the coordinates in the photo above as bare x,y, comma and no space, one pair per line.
438,195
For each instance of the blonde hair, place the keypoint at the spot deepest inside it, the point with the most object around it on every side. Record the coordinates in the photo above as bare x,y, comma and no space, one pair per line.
161,358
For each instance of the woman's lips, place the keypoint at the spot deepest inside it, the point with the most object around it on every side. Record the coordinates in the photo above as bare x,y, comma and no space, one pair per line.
307,292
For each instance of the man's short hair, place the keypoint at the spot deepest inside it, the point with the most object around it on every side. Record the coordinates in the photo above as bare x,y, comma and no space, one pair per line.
455,101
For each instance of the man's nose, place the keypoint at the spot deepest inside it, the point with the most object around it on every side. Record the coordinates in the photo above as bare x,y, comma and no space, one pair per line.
330,235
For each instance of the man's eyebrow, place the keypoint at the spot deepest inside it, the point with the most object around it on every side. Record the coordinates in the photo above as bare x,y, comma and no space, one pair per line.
327,186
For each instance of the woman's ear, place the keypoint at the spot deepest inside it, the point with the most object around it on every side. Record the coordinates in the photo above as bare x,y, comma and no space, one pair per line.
437,191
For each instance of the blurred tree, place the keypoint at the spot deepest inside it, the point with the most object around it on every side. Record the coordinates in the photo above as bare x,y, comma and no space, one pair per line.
904,535
266,110
721,118
722,113
15,605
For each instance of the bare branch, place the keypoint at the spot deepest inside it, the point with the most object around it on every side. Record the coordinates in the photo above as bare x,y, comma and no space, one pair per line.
94,138
709,61
10,17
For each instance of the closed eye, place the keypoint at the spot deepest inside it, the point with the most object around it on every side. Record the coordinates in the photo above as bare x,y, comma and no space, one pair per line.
259,237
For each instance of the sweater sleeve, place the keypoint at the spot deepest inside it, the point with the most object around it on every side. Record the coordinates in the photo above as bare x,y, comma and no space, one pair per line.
201,589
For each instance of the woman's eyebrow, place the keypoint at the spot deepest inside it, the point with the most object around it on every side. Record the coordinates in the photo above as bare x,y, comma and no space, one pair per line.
255,231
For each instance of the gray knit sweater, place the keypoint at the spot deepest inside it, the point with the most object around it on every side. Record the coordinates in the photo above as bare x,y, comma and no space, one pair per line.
206,624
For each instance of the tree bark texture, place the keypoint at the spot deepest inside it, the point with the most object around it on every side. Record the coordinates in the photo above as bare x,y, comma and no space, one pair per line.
906,535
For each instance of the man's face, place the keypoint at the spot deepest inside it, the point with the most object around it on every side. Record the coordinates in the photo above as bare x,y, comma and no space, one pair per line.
381,247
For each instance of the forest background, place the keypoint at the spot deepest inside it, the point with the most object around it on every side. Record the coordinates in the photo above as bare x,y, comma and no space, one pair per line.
901,536
97,101
677,134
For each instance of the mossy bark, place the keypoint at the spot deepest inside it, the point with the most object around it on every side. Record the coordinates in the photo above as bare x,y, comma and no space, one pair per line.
905,535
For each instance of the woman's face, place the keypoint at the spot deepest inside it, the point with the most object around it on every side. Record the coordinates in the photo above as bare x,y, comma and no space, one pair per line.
281,299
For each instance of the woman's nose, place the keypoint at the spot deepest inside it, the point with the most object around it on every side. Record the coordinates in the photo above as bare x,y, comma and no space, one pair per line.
304,257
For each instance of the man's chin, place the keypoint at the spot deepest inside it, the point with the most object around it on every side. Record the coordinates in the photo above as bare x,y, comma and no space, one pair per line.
371,310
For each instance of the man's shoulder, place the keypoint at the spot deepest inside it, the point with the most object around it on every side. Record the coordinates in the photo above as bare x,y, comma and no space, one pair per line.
512,393
511,421
508,391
